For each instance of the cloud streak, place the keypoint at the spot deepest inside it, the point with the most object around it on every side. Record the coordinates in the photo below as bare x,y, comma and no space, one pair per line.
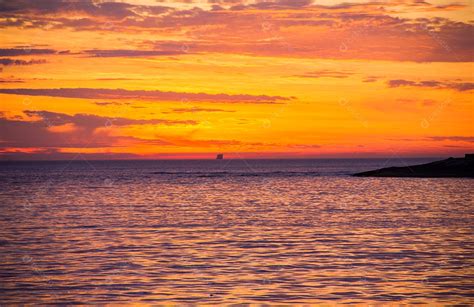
91,122
196,110
131,53
46,129
460,86
13,62
26,51
100,93
326,74
469,139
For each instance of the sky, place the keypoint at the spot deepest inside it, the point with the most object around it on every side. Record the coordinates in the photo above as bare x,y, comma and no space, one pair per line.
251,79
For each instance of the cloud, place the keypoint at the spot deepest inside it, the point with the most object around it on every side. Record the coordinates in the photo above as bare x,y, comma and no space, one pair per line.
131,53
84,14
274,5
400,82
98,93
58,130
11,62
110,103
460,86
56,154
55,7
91,122
26,134
117,79
195,110
337,35
26,51
370,30
466,86
326,74
45,134
370,79
469,139
438,138
11,80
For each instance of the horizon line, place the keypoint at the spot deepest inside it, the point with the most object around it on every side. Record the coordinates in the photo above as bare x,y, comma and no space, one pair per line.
233,158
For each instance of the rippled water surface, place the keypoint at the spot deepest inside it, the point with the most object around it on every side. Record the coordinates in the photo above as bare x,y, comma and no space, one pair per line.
256,231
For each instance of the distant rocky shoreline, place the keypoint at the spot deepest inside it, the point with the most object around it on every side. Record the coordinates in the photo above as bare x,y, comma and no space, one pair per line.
451,167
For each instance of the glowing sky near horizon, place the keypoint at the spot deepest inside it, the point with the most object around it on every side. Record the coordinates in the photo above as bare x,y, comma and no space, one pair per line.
189,79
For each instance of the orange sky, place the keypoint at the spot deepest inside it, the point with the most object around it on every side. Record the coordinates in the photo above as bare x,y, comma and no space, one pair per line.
264,79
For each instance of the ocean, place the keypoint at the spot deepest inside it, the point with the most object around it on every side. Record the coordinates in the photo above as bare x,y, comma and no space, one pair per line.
233,231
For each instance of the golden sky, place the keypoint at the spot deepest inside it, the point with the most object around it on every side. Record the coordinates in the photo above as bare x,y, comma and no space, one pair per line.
262,79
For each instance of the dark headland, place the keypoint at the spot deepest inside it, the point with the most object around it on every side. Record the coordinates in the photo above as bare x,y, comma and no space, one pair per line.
451,167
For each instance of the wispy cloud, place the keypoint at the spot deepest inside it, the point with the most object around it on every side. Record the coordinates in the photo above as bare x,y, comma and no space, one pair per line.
131,53
438,138
458,86
326,74
98,93
48,153
26,51
110,103
91,122
469,139
11,80
195,110
12,62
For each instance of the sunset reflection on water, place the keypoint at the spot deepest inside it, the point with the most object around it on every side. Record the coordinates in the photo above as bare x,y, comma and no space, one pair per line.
164,238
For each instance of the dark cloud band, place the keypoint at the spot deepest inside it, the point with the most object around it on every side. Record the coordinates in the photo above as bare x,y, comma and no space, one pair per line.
98,93
460,86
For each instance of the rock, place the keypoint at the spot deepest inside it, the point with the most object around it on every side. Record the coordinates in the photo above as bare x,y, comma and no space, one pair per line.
452,167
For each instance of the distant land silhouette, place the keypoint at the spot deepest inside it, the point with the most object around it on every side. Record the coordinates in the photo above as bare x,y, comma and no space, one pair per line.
451,167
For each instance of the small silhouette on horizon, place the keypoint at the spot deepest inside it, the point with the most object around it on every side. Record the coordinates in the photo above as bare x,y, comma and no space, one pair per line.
220,156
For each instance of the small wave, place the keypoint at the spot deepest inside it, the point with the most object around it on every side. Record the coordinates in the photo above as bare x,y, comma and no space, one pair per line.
98,187
238,174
